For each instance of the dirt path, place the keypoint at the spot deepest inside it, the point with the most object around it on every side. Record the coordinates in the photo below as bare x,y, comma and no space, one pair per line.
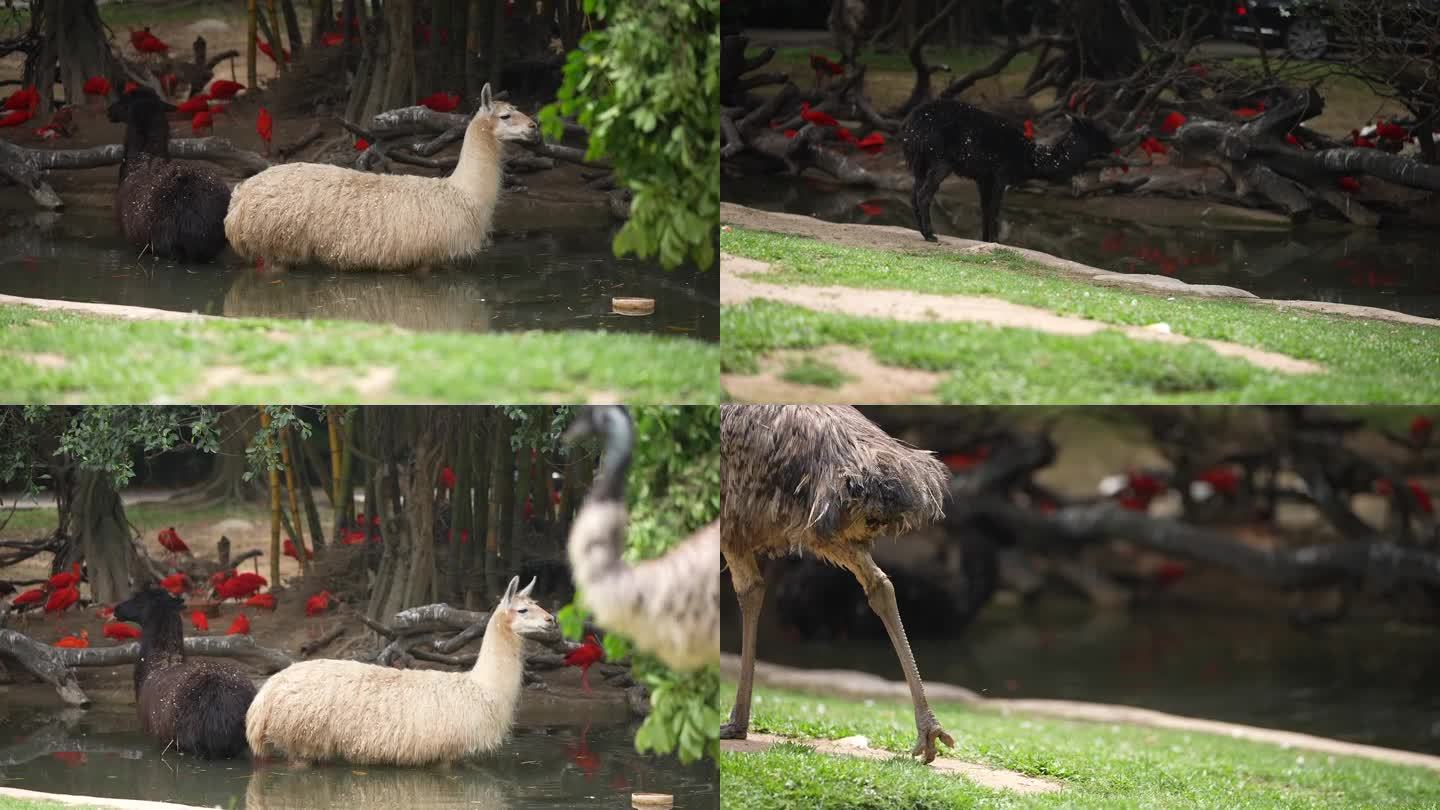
870,380
737,286
861,685
891,237
985,775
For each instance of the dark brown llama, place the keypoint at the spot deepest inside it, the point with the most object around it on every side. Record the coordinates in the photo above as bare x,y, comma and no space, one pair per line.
826,480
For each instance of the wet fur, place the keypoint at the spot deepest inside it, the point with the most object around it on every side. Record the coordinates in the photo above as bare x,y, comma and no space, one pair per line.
200,706
175,208
945,137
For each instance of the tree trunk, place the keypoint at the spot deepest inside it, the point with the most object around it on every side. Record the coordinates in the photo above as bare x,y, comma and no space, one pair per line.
73,48
227,483
251,51
502,485
292,28
524,492
482,453
496,60
307,495
462,508
477,28
400,68
104,538
430,432
297,532
274,479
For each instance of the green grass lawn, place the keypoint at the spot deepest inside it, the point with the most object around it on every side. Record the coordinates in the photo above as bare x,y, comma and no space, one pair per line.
1367,362
57,357
1102,766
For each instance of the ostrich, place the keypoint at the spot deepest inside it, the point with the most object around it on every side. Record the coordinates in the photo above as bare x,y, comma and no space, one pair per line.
945,136
668,606
827,480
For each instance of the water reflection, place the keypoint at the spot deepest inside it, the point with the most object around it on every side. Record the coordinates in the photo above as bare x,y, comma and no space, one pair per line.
559,278
101,752
1317,261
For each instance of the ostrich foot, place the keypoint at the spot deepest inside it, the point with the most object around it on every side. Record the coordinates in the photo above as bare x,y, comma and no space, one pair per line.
732,731
930,237
929,732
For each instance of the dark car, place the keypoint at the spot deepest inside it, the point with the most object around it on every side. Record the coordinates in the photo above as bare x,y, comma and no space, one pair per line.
1302,26
1309,29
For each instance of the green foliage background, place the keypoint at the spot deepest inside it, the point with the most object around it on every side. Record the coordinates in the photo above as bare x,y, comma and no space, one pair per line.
647,87
674,489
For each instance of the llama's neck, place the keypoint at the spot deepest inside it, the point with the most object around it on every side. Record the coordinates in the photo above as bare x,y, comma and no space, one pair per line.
500,667
144,141
162,644
478,172
1056,162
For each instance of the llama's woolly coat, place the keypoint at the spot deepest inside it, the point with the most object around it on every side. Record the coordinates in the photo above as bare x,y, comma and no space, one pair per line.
366,714
795,476
300,213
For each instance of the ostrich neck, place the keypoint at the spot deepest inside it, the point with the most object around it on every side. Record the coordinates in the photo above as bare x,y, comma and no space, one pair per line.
162,644
478,171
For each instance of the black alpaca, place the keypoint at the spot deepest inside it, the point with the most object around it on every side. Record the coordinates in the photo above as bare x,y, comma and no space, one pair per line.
199,706
945,136
176,209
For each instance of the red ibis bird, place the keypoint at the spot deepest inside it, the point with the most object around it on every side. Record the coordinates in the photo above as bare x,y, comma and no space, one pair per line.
261,600
222,89
870,209
241,586
130,87
1219,480
447,478
239,627
106,612
120,631
25,99
1152,147
441,101
16,118
170,540
65,579
265,125
268,51
292,552
353,537
1029,130
820,62
1293,141
1169,572
62,599
1359,141
219,577
176,584
845,135
34,596
585,656
817,117
96,86
959,462
150,44
1422,498
1134,490
1349,184
194,104
201,623
202,122
332,39
1391,131
361,144
872,143
75,642
317,604
1172,122
1420,428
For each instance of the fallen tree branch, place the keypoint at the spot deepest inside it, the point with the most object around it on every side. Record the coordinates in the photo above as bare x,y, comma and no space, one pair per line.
46,663
309,648
243,647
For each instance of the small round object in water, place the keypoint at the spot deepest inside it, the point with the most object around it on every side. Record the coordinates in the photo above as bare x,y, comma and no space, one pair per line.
633,306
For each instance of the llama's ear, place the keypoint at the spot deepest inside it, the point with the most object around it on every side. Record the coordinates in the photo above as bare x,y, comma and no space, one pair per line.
525,591
485,97
510,590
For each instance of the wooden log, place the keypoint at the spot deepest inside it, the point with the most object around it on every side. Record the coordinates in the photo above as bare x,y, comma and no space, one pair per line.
45,663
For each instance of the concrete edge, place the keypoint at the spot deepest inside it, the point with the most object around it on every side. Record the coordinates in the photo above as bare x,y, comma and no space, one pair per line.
859,685
92,801
117,311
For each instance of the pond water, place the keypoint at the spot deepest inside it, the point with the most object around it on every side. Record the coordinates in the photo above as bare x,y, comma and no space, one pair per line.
101,752
1390,268
1353,681
560,278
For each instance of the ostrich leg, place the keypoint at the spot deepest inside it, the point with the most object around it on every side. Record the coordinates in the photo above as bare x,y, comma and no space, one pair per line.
881,596
750,588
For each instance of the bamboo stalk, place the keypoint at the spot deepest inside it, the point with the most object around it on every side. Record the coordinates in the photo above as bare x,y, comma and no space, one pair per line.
274,503
250,51
285,458
331,413
276,43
